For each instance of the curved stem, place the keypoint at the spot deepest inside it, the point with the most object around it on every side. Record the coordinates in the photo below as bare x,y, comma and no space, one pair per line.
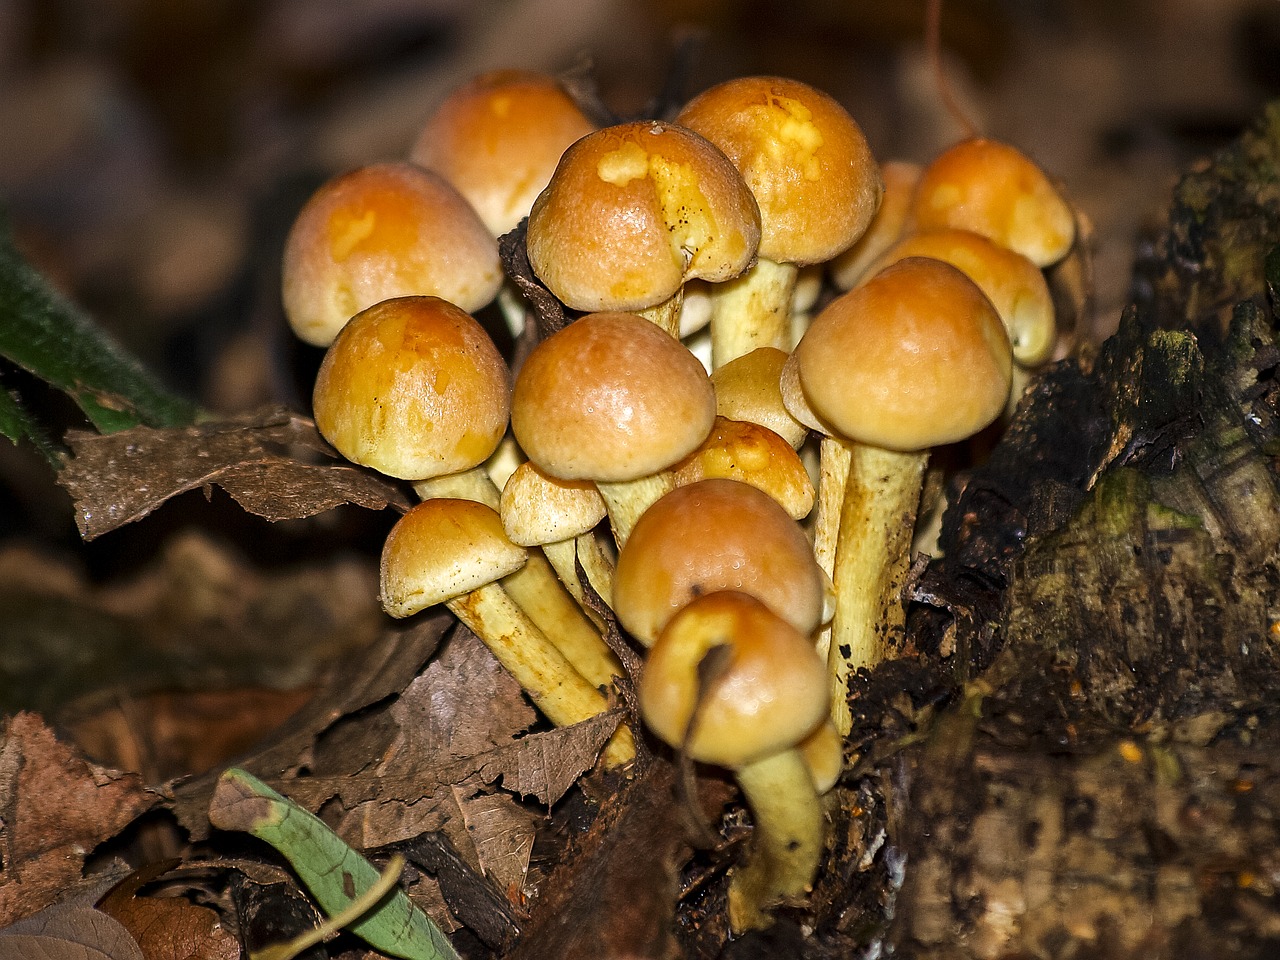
786,846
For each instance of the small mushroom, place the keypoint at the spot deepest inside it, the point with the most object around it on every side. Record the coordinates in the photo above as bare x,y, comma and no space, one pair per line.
745,451
812,174
454,552
382,231
890,223
612,399
715,535
747,388
731,683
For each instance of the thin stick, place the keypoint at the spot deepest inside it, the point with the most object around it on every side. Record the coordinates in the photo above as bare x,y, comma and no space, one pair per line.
933,45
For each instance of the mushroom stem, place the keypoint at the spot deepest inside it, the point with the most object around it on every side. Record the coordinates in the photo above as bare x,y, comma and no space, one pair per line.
542,671
536,589
787,843
564,556
751,311
833,472
882,496
665,315
626,500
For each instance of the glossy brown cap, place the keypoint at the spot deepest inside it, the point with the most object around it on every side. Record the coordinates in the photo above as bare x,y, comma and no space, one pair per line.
887,227
498,139
382,231
414,388
715,535
804,158
442,549
750,682
745,451
1015,286
914,358
996,190
635,210
747,388
610,397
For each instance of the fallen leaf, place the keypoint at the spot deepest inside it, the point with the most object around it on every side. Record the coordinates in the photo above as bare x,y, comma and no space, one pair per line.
545,765
55,808
168,928
274,463
69,933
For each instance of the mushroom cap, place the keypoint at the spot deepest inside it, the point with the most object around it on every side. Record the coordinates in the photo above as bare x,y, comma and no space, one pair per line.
823,752
804,158
767,691
888,225
715,535
633,211
610,397
996,190
747,388
537,508
745,451
414,388
498,139
382,231
1015,286
442,549
914,358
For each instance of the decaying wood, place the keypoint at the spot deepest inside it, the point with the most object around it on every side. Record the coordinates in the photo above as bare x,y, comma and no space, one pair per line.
1104,778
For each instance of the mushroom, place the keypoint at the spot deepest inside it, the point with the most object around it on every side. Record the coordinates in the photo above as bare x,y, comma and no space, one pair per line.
747,388
454,552
731,683
560,516
994,189
498,139
715,535
612,399
414,388
745,451
1015,286
632,212
817,185
888,225
914,358
383,231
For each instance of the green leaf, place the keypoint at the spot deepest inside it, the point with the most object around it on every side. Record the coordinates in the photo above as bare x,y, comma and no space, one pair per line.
17,424
333,872
45,334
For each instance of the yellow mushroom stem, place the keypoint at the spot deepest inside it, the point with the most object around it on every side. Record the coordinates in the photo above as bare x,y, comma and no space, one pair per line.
787,842
881,498
542,671
752,311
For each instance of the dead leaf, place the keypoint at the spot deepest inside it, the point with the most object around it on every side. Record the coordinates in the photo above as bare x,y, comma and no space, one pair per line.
546,765
168,928
69,933
55,808
382,671
274,463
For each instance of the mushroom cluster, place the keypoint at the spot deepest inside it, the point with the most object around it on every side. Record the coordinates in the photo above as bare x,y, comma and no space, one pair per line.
735,477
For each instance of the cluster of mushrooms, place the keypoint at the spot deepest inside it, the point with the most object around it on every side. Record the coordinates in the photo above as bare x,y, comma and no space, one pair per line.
737,476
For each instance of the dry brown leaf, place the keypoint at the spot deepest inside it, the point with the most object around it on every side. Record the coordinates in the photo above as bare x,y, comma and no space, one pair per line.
545,765
502,833
69,932
55,808
273,463
168,928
